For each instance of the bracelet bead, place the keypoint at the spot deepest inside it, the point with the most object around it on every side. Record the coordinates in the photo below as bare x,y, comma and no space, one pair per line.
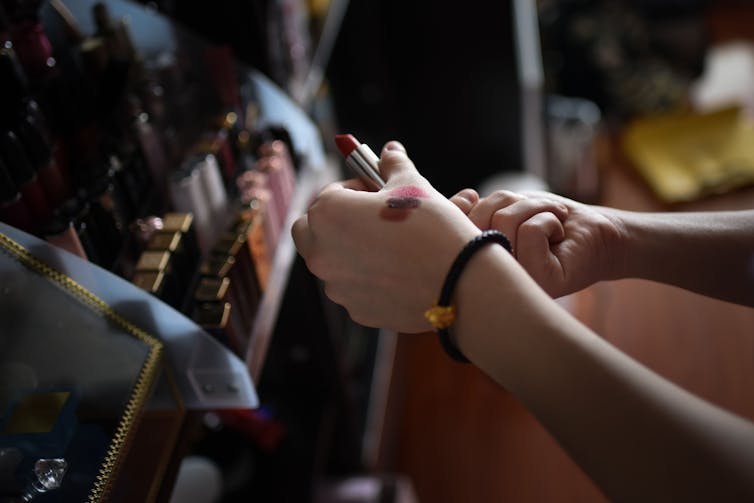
443,313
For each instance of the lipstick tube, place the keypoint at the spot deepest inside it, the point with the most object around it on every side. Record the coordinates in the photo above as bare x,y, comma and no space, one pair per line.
61,233
361,159
184,223
214,186
39,151
173,242
234,244
150,281
219,290
160,261
215,319
25,177
224,267
188,196
13,210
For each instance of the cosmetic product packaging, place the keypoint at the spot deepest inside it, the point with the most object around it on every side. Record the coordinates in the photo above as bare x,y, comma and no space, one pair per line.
272,166
223,73
41,422
255,196
13,209
153,150
39,151
135,180
214,187
15,85
188,196
233,244
252,224
160,261
25,177
183,265
218,290
280,150
217,144
214,318
115,34
61,233
76,212
109,212
150,281
240,295
183,223
33,48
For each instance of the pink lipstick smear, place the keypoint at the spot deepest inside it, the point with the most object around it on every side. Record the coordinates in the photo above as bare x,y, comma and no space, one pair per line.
400,203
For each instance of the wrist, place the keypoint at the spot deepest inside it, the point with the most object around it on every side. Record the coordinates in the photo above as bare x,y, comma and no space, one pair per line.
442,315
489,285
619,242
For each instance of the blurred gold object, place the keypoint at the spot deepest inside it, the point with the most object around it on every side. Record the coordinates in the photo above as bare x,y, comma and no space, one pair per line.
688,156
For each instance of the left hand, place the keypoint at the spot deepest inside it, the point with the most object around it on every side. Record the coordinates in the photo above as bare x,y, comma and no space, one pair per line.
385,265
564,245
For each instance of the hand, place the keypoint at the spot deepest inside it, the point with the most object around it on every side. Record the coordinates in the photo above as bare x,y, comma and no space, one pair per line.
383,255
564,245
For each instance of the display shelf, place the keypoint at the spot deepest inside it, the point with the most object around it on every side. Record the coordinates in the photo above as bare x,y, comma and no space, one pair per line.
309,183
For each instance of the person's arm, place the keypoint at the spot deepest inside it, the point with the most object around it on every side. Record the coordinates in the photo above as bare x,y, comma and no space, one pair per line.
384,255
636,435
566,245
711,253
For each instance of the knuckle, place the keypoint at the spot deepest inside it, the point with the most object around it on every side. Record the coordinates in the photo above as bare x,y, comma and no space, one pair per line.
500,218
504,196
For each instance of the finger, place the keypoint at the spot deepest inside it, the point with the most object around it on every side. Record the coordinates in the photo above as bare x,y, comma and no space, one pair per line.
395,165
482,213
466,199
395,146
508,219
534,238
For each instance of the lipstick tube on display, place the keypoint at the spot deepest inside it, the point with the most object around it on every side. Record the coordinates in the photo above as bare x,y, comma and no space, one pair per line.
224,267
218,290
361,159
13,209
188,196
25,177
39,152
61,233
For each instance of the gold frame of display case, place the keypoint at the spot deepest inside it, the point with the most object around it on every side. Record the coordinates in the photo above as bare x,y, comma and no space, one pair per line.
142,383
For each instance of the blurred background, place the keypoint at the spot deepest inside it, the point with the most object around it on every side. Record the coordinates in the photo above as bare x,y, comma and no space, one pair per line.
641,105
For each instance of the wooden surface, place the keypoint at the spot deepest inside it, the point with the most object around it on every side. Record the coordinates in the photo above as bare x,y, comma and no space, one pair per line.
462,438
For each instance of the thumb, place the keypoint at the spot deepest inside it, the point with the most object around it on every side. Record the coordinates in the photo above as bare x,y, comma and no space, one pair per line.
395,166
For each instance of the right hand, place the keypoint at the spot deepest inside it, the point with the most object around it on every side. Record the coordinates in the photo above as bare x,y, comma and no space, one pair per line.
564,245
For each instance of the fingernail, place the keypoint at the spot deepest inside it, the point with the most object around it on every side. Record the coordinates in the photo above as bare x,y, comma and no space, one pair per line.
395,146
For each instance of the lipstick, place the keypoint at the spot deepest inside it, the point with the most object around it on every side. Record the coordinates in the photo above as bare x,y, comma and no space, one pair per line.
360,158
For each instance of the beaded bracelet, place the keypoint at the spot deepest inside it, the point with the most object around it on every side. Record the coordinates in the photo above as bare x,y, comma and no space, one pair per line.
443,313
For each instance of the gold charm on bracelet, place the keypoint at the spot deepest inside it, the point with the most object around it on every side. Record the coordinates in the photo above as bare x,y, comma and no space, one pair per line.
440,316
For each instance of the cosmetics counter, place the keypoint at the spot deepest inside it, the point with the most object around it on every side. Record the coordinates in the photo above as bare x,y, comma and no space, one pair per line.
150,180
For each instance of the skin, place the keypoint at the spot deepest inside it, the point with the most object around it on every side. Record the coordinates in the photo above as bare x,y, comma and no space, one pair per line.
572,245
638,436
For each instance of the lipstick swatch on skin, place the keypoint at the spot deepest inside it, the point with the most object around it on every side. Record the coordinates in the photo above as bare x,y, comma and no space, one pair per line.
400,203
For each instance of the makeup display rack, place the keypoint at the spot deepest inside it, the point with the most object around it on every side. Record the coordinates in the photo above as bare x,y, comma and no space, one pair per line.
137,157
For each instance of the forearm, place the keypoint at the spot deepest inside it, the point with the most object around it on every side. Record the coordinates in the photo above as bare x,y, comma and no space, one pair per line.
711,253
637,436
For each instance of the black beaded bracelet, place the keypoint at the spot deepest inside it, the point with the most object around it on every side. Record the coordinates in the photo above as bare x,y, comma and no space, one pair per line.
442,314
